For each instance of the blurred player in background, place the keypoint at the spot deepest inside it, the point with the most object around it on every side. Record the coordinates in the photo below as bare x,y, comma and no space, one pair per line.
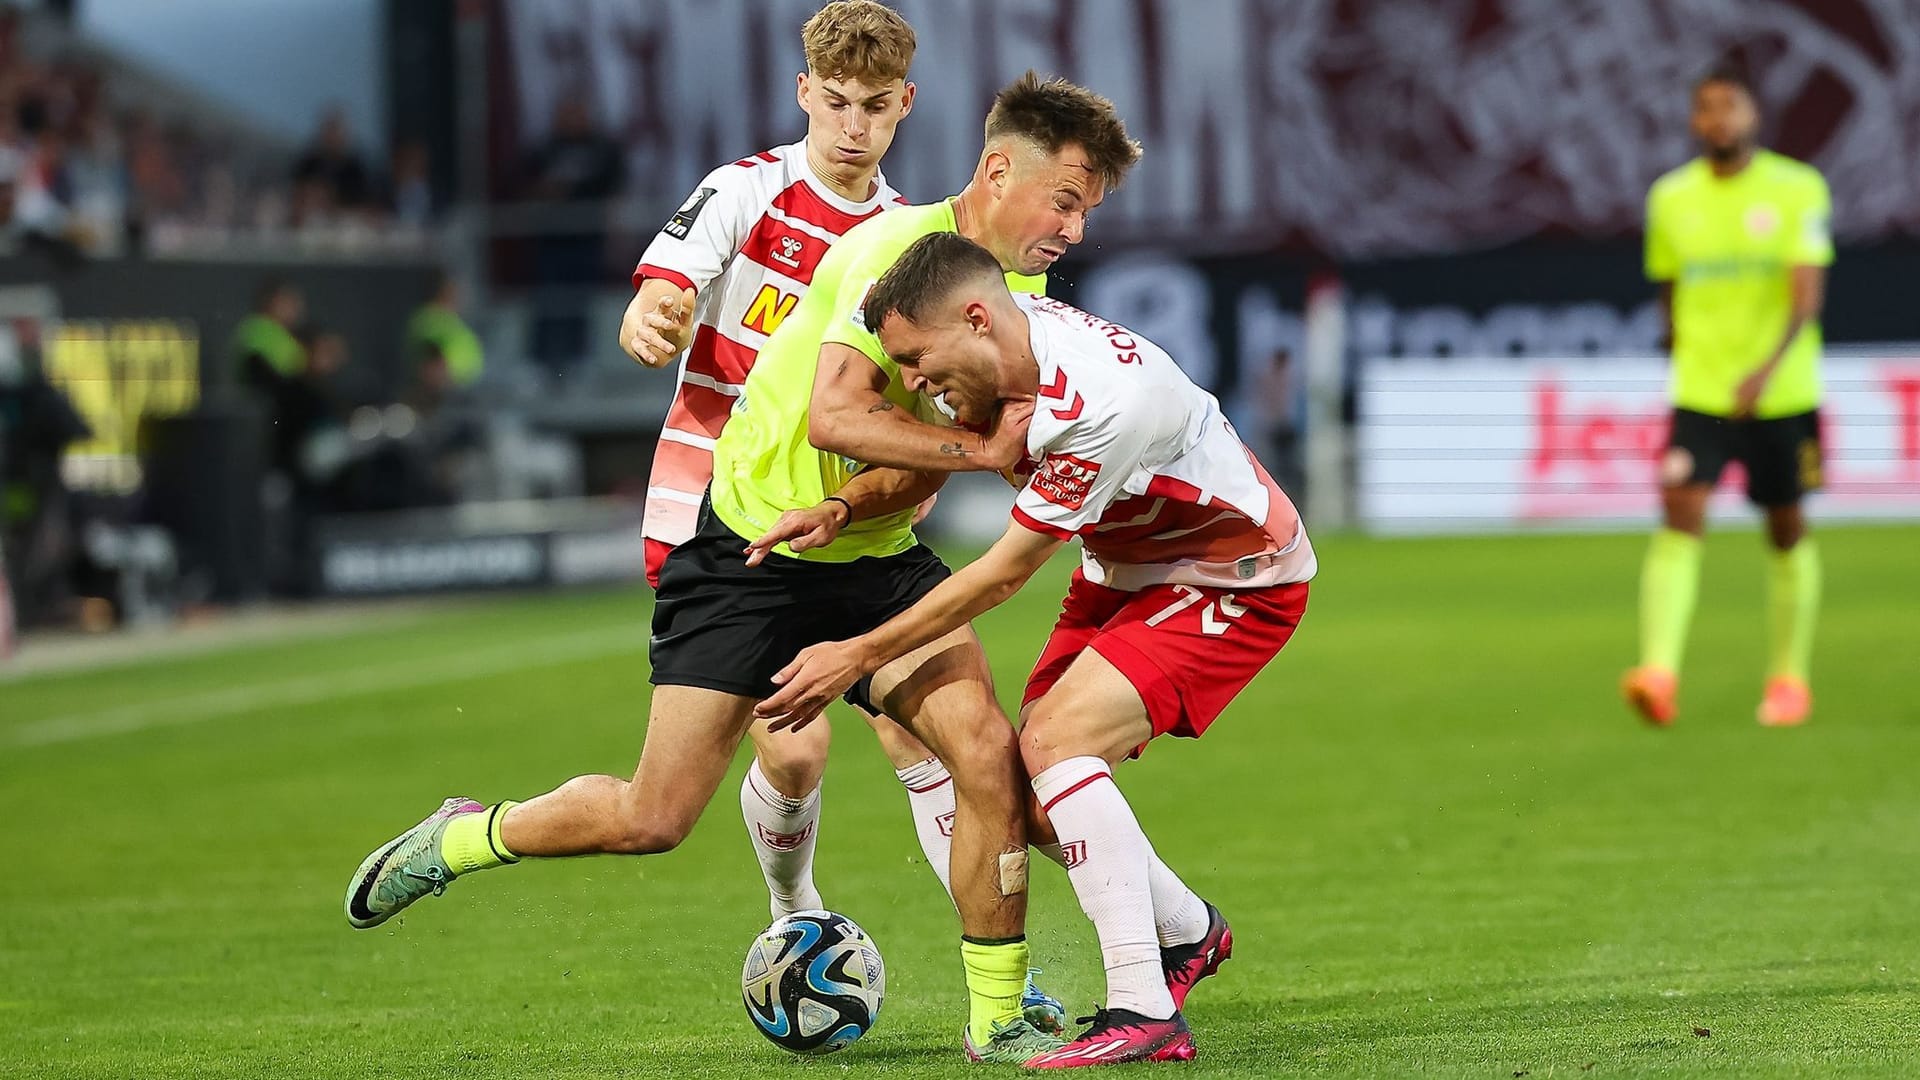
1193,577
724,622
724,273
1738,240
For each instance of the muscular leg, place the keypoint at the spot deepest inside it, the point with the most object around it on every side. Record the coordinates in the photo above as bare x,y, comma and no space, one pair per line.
1786,526
943,693
780,802
691,736
929,790
1072,736
1684,508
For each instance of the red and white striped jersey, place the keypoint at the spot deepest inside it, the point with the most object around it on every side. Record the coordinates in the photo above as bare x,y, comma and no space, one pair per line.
747,241
1128,455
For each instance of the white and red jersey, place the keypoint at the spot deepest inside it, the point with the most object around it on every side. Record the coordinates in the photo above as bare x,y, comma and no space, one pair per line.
1129,456
747,241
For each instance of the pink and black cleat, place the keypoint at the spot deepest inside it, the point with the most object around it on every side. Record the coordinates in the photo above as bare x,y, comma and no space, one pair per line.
1119,1035
1186,965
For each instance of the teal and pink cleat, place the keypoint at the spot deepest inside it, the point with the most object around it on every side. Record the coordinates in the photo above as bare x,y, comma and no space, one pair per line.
1042,1009
405,869
1011,1043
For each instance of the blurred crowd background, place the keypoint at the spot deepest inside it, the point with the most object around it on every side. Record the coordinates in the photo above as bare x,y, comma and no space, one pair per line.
319,298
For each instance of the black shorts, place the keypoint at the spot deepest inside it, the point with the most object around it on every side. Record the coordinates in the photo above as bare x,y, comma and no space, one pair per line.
1782,457
722,625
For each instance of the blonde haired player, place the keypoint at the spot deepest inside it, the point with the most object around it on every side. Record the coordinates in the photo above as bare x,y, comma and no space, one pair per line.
722,275
714,284
1738,240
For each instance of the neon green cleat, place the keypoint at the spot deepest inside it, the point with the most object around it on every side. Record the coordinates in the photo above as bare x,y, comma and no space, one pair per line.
405,869
1012,1043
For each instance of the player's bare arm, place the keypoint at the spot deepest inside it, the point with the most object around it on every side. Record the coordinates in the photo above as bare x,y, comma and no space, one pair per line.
658,323
875,492
1809,287
823,672
851,415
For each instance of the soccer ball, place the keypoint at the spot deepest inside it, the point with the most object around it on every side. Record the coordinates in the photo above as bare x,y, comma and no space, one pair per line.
813,982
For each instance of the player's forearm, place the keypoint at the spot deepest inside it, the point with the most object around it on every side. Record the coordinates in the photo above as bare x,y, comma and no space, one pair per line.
877,492
1795,324
880,433
1809,287
979,587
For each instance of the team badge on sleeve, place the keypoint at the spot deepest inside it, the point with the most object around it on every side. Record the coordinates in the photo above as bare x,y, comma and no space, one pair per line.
859,313
1065,480
681,223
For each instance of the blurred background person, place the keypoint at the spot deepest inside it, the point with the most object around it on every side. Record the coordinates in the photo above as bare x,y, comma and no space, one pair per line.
330,176
576,169
1739,242
267,352
441,350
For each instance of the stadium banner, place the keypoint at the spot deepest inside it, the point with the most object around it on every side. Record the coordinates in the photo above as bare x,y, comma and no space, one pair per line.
1350,130
555,543
1477,445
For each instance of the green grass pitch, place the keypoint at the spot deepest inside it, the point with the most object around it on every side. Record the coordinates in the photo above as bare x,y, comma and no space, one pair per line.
1445,848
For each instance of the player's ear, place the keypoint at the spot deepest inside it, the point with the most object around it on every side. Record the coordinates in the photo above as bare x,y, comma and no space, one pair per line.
996,167
800,87
979,319
906,100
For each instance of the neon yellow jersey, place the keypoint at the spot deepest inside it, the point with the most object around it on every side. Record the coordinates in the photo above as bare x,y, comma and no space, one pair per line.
1729,247
763,464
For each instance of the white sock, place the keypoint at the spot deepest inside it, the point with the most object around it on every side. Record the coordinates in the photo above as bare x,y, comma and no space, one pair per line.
1180,916
1108,861
783,831
930,797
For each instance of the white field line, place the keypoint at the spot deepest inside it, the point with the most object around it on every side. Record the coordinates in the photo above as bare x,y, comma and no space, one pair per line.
326,686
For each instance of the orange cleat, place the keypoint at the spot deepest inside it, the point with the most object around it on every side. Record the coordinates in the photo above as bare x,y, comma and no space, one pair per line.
1652,692
1786,703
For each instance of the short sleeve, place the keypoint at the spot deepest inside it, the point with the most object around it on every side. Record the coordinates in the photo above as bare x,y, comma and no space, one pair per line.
704,235
1662,263
1081,471
848,324
1811,231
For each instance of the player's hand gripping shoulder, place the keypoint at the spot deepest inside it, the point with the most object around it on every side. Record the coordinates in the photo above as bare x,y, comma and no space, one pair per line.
658,323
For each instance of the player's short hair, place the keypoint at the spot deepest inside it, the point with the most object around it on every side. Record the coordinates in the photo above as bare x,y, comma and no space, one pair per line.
1727,71
925,275
861,40
1054,113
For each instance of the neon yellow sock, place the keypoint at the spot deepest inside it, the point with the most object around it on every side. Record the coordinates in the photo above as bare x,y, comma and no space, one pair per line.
1793,601
996,978
472,841
1669,582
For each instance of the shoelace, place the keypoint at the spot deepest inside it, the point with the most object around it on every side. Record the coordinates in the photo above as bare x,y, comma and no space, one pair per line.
1099,1021
433,876
1175,969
